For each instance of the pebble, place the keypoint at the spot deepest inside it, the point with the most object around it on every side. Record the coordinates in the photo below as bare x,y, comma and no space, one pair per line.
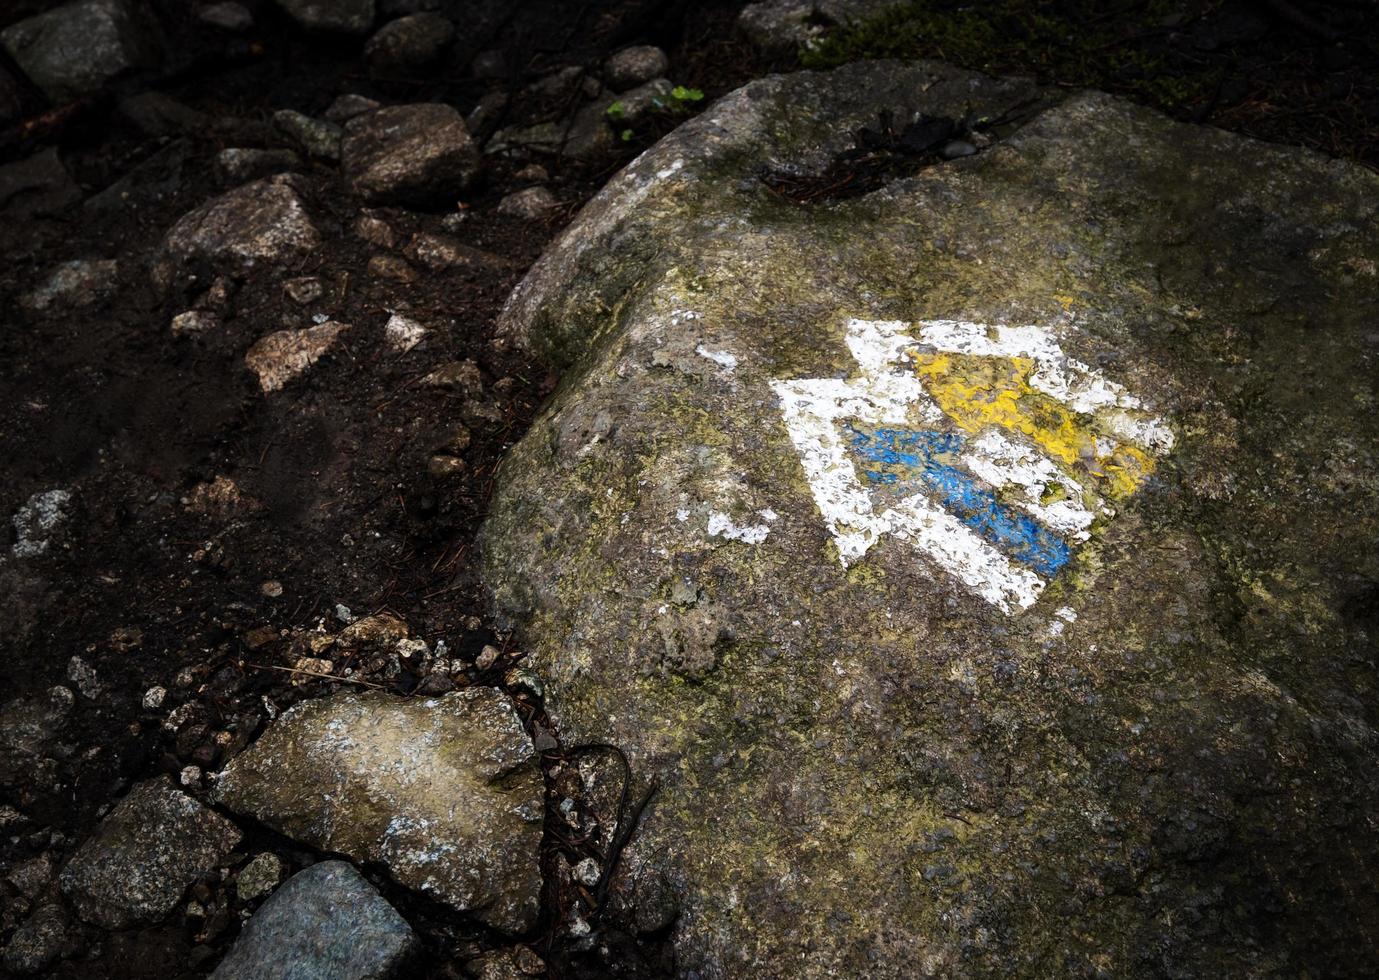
530,204
403,333
487,657
955,149
633,66
304,289
346,107
282,356
194,322
42,514
409,44
587,872
83,675
375,231
314,137
190,776
272,588
391,267
227,16
246,163
438,252
259,877
81,282
154,697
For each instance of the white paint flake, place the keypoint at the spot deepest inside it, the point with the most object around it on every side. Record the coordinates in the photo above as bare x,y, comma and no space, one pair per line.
722,526
723,359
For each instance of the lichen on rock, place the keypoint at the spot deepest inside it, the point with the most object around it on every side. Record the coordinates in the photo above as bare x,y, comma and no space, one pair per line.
1156,764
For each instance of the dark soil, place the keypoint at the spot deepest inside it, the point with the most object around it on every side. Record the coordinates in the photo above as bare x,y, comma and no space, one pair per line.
153,581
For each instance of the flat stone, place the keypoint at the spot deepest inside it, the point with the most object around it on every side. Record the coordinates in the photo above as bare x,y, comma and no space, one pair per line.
409,44
977,562
331,16
76,48
444,792
282,356
263,221
327,921
632,66
144,855
417,154
74,284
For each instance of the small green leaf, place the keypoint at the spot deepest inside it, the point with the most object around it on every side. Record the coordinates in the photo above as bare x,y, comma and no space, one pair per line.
626,135
615,111
682,94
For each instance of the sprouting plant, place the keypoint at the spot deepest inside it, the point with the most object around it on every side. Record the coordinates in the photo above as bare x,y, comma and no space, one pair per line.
615,111
684,96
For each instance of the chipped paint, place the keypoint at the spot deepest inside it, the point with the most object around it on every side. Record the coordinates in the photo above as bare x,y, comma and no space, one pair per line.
984,445
722,526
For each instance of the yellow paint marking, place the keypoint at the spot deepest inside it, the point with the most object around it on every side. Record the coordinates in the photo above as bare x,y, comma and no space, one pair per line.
980,391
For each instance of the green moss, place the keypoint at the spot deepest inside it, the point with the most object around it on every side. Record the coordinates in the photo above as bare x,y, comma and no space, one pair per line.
1065,43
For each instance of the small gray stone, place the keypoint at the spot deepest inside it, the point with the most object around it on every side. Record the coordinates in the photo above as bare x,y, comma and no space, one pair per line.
81,282
586,137
409,154
346,107
642,101
37,519
955,149
445,792
532,203
632,66
314,137
336,16
76,48
304,289
259,877
260,222
228,16
282,356
587,872
144,855
326,922
242,163
39,942
194,322
409,44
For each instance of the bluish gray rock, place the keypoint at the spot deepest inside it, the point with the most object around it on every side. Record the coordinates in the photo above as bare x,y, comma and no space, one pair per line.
326,923
78,47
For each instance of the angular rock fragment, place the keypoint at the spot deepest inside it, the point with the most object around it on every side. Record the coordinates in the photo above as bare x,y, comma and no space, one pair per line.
282,356
979,562
144,855
39,942
417,154
327,921
531,203
333,16
76,48
314,137
262,221
444,792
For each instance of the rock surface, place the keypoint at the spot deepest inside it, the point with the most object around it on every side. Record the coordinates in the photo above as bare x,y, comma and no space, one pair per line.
415,154
632,66
445,792
259,222
78,47
327,921
153,845
80,282
39,941
782,28
336,16
1080,681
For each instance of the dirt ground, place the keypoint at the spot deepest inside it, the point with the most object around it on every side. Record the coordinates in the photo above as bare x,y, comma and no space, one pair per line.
213,530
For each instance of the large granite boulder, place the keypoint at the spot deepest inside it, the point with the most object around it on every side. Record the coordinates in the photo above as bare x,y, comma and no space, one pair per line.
444,792
985,564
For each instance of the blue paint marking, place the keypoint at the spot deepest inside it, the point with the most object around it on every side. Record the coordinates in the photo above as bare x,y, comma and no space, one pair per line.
1018,535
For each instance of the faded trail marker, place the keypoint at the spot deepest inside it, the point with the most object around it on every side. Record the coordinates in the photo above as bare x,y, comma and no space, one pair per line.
987,447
